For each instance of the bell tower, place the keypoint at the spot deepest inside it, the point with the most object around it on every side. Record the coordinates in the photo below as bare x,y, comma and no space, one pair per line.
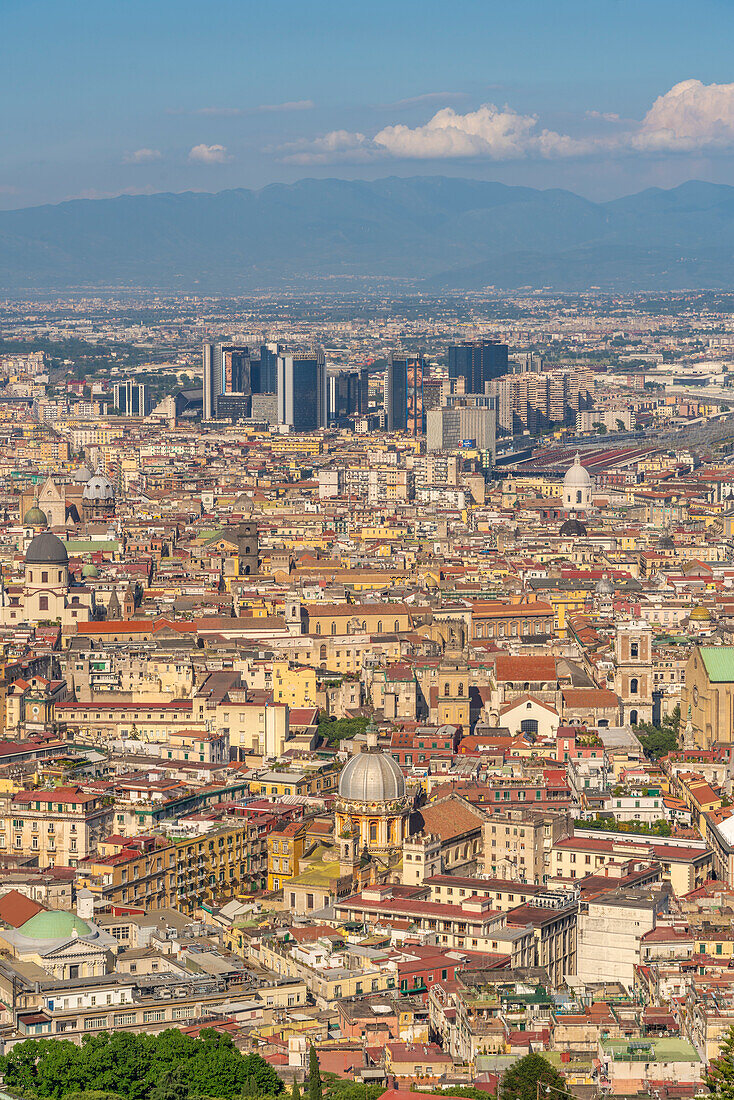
633,678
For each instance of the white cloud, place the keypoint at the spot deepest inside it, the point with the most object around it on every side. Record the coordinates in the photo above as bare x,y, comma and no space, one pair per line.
292,105
492,132
337,145
489,132
691,116
221,112
419,100
264,108
603,116
142,156
209,154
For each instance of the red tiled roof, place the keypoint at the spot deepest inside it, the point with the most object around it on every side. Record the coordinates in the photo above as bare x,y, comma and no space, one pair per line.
16,908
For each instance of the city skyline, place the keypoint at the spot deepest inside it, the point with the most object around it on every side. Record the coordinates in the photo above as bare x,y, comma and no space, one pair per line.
602,102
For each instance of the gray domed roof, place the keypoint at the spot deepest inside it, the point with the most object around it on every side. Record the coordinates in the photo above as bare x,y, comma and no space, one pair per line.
371,777
604,586
573,527
82,474
46,549
99,487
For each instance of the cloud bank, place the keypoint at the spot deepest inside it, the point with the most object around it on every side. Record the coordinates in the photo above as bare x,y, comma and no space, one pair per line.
691,117
142,156
208,154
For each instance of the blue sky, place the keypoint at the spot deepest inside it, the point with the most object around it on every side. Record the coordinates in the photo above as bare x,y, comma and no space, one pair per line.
603,96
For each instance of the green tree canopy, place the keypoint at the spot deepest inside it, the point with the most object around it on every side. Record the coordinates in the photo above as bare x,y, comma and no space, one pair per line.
720,1076
659,740
520,1081
314,1075
166,1066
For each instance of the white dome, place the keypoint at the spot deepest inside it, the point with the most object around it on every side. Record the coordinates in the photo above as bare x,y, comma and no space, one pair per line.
577,476
371,777
98,487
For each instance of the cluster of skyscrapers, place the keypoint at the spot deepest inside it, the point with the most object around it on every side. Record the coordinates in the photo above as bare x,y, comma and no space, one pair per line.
484,391
279,386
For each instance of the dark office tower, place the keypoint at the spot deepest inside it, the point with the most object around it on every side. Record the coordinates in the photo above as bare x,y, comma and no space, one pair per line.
302,392
131,398
264,379
404,394
477,362
364,391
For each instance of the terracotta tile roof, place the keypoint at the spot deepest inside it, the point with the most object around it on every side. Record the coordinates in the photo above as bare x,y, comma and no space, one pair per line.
524,668
16,908
448,817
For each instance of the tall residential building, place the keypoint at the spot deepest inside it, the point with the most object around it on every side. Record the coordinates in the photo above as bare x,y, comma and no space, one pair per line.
131,398
534,400
478,362
404,394
302,392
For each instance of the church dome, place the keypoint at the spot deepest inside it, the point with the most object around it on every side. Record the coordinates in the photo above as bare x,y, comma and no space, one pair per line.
99,489
54,925
34,517
700,615
371,777
574,528
46,549
577,476
90,570
604,587
665,542
82,475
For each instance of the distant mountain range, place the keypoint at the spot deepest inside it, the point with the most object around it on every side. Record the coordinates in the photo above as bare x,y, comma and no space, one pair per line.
432,232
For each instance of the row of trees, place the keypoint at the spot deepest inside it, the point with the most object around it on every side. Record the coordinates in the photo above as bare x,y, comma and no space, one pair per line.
136,1066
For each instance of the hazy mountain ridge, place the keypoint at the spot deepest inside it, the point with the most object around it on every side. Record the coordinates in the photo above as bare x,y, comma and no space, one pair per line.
431,230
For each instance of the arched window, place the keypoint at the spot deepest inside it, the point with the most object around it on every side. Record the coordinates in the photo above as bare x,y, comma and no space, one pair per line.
396,626
461,689
333,628
634,685
379,626
44,576
318,628
633,717
529,725
322,652
579,497
373,830
446,689
364,624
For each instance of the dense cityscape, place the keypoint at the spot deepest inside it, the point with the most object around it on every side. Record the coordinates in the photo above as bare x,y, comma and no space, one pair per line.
367,692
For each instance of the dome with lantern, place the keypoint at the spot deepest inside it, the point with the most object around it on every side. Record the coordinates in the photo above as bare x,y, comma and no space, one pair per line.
372,800
99,488
577,485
